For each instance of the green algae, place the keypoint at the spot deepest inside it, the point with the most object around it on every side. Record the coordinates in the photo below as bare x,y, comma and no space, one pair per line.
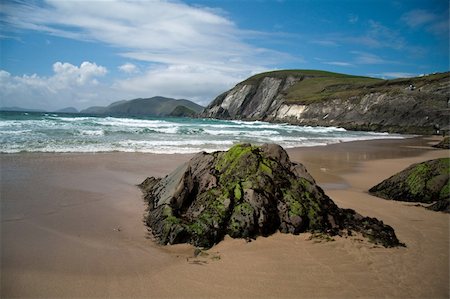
418,178
445,191
423,178
264,166
302,203
237,192
232,158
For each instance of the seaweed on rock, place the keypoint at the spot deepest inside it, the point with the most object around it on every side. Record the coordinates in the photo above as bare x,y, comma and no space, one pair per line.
426,182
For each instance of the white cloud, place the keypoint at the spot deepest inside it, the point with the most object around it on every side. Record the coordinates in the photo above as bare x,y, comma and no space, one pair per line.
156,31
367,58
128,68
80,86
326,43
390,75
437,24
70,85
338,63
199,45
385,37
418,17
353,19
376,36
66,73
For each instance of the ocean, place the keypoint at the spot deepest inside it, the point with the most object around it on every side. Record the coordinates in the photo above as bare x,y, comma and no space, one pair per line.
62,133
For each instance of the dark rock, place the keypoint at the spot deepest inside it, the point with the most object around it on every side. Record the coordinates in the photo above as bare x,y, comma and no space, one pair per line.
442,205
246,192
444,143
426,182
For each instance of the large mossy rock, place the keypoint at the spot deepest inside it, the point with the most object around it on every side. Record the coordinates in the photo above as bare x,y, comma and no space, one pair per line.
426,182
245,192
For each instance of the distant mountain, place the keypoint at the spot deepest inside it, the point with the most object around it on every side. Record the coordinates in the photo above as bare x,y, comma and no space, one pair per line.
94,110
20,109
156,106
67,110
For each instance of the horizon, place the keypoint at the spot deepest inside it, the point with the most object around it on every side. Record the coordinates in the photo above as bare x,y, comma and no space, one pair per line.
59,54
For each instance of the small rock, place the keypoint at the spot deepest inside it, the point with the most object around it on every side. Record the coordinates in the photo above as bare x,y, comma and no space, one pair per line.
426,182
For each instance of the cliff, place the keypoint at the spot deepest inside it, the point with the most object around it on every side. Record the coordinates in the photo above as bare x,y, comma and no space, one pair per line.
156,106
317,98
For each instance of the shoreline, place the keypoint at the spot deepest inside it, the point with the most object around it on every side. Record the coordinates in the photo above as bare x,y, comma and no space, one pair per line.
71,226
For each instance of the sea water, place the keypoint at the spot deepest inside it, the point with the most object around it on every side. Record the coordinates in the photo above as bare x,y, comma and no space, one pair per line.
60,133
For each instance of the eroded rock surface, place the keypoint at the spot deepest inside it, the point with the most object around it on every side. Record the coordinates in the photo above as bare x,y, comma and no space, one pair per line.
246,192
426,182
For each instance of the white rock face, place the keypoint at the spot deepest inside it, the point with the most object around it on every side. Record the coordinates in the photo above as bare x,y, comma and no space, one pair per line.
289,111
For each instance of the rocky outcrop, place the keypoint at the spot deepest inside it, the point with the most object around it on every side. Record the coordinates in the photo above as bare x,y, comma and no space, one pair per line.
414,105
246,192
251,100
426,182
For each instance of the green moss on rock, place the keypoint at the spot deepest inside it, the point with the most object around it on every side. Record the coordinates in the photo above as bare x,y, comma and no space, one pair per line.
426,182
418,178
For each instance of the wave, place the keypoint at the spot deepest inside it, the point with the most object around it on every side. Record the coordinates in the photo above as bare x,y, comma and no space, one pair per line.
242,132
92,132
53,133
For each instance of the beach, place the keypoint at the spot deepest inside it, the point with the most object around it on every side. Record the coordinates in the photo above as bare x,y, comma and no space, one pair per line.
71,226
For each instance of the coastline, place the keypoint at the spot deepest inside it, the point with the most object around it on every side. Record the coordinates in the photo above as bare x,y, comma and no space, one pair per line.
71,226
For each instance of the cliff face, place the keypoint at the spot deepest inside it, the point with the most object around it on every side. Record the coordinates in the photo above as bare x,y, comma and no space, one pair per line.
413,105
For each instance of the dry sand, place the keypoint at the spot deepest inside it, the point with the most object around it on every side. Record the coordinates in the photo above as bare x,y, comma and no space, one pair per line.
71,226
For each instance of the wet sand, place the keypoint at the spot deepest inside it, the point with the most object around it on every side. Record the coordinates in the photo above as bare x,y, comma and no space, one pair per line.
71,226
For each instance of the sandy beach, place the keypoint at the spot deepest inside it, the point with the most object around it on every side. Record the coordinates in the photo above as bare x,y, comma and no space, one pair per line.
71,226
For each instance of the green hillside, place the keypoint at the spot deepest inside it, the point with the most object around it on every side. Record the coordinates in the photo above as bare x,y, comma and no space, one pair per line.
317,85
156,106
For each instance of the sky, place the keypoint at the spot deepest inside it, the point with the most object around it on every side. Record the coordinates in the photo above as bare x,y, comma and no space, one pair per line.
62,53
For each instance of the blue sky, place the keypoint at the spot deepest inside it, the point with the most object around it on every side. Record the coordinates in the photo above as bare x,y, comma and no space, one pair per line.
58,53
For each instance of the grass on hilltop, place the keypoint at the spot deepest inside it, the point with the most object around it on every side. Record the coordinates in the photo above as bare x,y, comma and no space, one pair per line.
318,89
316,85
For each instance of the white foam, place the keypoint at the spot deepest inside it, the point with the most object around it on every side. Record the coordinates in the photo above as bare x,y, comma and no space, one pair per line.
92,132
96,134
129,122
70,119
